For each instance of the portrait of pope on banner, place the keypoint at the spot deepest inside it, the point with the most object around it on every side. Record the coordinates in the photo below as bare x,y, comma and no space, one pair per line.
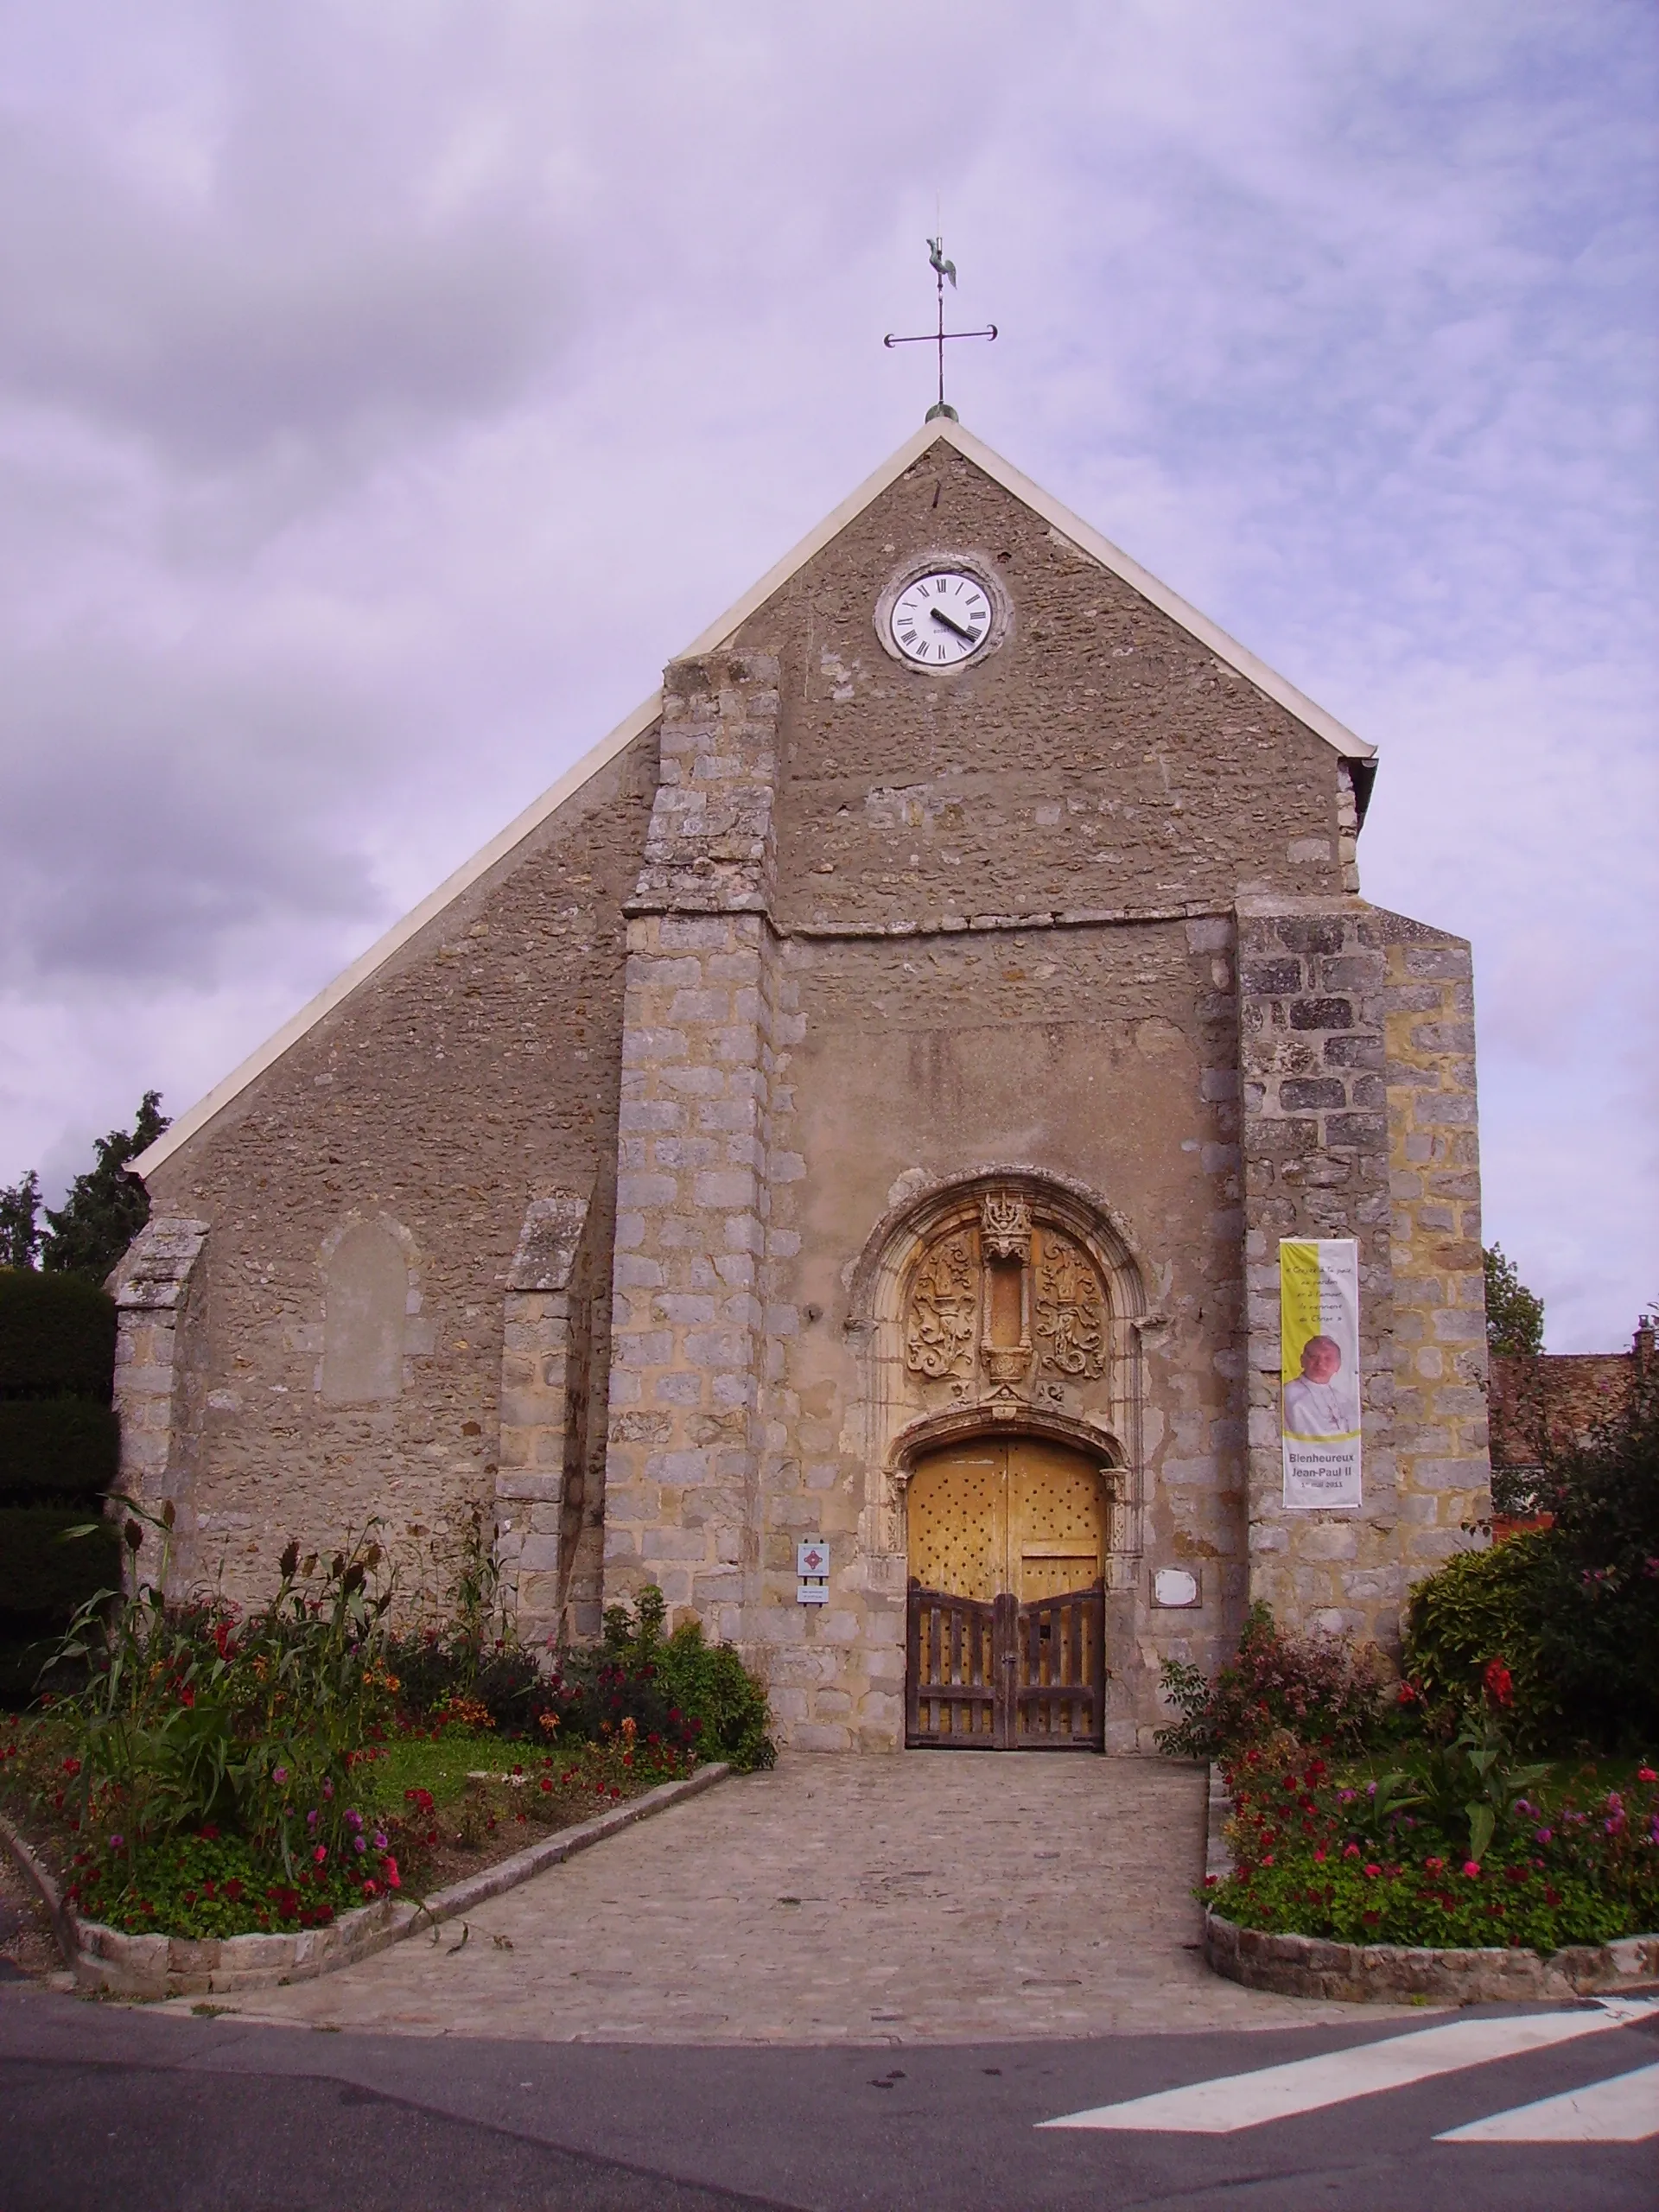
1321,1399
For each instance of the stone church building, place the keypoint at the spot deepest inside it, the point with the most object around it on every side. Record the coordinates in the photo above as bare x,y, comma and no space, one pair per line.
849,1121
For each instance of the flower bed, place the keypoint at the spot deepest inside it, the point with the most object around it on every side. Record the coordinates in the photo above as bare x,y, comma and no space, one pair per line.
474,1804
213,1776
1327,1851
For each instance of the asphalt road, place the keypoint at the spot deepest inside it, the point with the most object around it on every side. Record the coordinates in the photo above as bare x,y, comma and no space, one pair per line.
107,2105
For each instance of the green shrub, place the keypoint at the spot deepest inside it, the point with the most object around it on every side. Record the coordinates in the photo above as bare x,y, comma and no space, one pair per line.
1573,1611
1489,1605
57,1337
678,1688
1319,1688
64,1446
42,1578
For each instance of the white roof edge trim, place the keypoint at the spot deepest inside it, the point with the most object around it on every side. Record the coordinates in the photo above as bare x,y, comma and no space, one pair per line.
1070,526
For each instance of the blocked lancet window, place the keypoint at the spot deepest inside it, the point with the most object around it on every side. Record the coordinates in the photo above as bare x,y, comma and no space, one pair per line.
365,1302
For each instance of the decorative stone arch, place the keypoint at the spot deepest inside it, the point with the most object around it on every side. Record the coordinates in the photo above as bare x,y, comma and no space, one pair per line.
1009,1300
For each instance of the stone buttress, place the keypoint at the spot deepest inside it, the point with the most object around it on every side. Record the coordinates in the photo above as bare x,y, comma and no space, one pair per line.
688,1346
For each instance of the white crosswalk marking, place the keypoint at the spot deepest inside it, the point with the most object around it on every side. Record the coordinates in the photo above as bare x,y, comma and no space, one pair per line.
1306,2084
1624,2109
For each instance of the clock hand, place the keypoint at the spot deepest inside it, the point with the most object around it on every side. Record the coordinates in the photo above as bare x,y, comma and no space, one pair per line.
939,615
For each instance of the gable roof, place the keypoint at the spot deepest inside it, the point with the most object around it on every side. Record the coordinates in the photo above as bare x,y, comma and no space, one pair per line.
1059,518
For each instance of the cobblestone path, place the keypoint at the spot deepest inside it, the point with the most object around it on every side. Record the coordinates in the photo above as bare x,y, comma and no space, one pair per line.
935,1896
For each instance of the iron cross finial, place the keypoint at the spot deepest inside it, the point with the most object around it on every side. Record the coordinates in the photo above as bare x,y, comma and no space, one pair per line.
941,337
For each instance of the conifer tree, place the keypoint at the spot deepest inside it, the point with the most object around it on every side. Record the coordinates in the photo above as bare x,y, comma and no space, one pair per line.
20,1222
106,1207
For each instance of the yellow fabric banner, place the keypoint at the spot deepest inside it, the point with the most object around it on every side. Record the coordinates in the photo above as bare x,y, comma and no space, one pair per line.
1319,1395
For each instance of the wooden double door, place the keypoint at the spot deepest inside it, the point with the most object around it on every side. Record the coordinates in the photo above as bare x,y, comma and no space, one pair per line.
1007,1612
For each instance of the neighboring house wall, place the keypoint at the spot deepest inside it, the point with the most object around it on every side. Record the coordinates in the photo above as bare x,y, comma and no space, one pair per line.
1555,1401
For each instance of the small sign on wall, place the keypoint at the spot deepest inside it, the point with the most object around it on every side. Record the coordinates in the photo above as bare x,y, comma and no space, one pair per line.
812,1568
1174,1585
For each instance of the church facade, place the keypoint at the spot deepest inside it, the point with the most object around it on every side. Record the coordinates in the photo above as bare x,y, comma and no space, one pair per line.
847,1125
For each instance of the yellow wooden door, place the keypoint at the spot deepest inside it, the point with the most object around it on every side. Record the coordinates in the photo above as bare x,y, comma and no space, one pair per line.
957,1516
1023,1515
1057,1520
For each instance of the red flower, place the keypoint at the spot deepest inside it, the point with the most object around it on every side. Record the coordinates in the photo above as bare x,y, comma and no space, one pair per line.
1371,1873
1646,1774
1500,1683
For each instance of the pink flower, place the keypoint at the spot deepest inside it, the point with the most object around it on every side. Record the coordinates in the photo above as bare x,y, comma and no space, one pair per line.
1351,1851
1646,1774
1371,1873
1434,1865
1472,1868
320,1853
1545,1835
279,1774
1318,1857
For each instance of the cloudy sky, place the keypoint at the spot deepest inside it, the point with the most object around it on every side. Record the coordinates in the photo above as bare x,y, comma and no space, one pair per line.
389,387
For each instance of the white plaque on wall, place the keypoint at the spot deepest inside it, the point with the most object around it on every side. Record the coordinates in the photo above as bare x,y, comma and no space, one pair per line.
1174,1585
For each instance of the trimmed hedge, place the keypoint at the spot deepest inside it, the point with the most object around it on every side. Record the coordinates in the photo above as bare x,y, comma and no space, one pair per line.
42,1579
58,1447
57,1337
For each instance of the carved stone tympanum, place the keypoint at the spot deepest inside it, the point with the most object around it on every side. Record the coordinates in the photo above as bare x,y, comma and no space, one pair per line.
989,1298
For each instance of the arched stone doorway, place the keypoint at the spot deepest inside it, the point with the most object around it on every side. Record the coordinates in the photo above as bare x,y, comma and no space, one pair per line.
1007,1538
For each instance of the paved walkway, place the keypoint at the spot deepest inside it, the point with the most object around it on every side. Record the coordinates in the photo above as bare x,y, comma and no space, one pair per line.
932,1898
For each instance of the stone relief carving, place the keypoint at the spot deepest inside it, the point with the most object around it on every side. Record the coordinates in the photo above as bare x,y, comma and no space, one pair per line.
1071,1311
944,1302
1005,1225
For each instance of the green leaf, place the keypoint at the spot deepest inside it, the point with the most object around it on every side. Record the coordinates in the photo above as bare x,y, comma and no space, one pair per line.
1482,1822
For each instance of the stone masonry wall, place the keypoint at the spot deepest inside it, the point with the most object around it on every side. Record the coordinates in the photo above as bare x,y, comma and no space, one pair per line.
1311,1062
1357,1056
479,1067
686,1433
544,1382
1101,762
1439,1284
157,1377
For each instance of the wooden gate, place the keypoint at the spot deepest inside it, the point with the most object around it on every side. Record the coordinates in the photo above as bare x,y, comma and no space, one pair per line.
999,1675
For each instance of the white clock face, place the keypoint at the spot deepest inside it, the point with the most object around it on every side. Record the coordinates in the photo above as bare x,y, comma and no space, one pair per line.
941,619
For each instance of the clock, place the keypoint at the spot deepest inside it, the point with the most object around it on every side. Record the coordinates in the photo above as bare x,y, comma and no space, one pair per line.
940,619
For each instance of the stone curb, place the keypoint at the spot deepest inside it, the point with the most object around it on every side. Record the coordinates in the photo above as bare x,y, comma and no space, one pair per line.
1388,1974
156,1966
